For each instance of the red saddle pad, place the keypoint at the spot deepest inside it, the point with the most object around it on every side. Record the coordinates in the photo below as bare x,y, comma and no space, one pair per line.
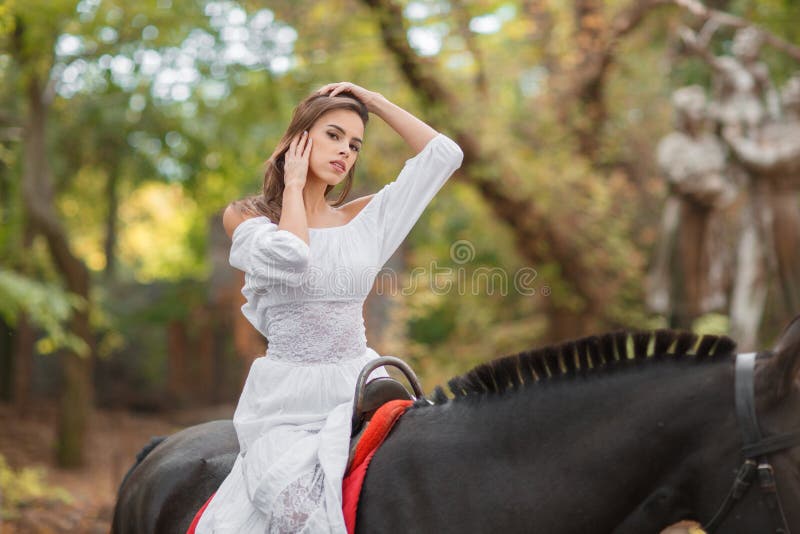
377,430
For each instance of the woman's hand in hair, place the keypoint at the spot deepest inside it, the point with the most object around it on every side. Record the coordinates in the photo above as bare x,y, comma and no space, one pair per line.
368,98
295,161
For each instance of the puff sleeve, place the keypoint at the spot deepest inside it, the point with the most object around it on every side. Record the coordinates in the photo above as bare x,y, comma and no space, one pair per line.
272,255
404,199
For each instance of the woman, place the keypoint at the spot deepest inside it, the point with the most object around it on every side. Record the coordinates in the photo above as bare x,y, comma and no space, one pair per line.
309,265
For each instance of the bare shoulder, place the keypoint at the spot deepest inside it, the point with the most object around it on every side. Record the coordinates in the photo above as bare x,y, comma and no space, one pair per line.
231,218
356,205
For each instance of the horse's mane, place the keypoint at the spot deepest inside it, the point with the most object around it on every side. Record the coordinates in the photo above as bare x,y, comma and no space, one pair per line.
585,355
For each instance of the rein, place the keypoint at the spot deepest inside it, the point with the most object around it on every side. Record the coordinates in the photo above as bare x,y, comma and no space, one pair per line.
755,451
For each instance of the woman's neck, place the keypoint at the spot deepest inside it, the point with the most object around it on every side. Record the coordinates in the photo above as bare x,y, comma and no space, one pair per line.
314,198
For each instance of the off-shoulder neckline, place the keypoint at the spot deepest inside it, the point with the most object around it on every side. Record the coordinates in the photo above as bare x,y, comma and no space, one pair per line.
351,221
315,228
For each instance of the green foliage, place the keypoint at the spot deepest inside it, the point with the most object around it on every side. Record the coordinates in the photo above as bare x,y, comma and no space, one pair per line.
712,323
177,153
7,22
25,487
47,305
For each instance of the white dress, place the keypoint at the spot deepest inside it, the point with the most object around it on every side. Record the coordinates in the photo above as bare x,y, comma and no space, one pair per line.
293,417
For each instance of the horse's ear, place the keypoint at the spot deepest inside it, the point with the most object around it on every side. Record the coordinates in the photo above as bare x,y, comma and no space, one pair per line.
784,365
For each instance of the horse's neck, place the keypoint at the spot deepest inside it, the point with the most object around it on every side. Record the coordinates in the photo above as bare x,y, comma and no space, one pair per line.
621,435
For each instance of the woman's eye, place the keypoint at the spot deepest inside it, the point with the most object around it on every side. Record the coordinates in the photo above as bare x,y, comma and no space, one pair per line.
355,147
333,135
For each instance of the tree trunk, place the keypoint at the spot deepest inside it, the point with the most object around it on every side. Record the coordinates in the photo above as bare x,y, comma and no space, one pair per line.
7,339
110,245
206,386
177,361
38,197
23,347
22,364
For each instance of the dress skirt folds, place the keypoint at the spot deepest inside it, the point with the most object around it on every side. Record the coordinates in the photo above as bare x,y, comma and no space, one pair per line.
293,417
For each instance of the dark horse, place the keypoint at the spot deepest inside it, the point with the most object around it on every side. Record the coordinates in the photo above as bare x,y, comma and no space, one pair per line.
623,433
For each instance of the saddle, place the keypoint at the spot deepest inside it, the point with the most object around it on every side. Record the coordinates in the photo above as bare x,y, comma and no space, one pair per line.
377,406
369,396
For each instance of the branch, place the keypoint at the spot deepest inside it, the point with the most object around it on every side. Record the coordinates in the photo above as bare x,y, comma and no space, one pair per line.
543,23
627,20
697,8
586,81
12,133
393,30
462,19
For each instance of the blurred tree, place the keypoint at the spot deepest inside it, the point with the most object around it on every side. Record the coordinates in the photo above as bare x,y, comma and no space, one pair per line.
37,39
161,113
31,45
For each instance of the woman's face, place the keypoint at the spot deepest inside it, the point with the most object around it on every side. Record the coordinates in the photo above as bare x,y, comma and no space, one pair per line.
337,138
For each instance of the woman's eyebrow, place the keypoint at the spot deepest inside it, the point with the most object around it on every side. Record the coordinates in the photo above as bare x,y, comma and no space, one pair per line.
345,133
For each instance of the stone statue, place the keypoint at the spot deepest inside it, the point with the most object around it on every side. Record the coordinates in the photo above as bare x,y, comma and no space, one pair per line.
776,156
688,277
743,93
769,249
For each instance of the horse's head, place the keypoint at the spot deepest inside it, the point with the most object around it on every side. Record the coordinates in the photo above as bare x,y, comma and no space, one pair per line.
778,406
776,380
770,459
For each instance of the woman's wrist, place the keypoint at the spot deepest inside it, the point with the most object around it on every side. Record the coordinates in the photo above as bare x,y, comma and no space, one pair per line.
290,190
378,105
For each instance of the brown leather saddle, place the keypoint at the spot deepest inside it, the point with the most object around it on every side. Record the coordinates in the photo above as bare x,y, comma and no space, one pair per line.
370,396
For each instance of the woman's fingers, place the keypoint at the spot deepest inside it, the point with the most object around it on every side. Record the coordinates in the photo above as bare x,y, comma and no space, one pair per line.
307,149
336,88
339,88
344,86
298,144
301,144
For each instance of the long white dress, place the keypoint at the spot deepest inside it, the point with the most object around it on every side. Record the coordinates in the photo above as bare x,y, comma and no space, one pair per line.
293,416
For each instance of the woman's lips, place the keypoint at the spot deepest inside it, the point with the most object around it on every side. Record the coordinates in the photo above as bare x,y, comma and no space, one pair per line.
338,166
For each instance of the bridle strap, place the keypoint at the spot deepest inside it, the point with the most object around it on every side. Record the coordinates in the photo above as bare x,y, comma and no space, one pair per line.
746,399
755,450
772,444
744,477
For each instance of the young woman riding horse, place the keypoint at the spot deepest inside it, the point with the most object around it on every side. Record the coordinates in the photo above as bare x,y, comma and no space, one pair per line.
309,264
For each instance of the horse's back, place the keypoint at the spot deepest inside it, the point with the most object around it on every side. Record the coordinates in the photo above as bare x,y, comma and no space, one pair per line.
163,491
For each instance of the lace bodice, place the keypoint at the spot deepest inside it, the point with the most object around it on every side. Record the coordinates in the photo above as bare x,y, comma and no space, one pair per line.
319,331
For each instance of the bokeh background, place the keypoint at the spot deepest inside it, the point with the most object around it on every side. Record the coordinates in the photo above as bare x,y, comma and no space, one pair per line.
126,127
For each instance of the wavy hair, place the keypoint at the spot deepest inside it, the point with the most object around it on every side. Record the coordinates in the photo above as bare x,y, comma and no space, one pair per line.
270,202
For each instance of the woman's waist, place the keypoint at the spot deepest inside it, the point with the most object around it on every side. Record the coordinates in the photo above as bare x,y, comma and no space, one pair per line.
317,363
316,342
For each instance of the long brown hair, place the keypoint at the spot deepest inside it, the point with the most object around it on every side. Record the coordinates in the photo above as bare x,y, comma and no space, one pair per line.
270,202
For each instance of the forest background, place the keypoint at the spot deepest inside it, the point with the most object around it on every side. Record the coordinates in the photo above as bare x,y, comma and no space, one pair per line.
125,128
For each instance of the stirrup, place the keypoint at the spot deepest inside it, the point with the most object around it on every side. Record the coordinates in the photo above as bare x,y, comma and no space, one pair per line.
370,396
